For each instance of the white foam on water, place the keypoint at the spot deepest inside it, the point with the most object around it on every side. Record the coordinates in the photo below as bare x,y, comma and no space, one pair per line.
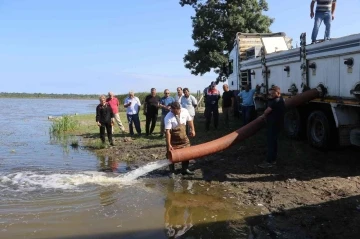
130,176
26,181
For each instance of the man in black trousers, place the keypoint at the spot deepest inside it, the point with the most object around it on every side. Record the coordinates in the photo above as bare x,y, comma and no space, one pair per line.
274,116
151,108
104,115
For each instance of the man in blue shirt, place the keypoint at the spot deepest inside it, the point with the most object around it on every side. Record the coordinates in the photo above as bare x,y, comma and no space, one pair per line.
247,105
165,103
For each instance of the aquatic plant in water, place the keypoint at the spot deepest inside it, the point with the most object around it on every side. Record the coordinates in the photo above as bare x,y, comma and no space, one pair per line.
64,124
74,144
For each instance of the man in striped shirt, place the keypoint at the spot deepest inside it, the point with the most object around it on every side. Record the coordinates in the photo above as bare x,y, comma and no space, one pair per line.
324,12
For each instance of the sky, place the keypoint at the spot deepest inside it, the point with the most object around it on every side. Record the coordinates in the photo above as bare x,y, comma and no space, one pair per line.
92,46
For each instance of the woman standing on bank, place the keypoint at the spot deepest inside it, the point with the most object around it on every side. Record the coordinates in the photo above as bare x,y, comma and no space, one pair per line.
104,114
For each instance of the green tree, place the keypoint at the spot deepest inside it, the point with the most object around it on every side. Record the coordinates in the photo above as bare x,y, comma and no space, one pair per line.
214,27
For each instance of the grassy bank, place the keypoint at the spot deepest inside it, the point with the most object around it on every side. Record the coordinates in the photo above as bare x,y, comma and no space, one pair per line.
88,133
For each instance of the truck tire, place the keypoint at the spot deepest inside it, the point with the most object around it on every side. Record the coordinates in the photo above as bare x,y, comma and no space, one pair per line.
292,123
319,130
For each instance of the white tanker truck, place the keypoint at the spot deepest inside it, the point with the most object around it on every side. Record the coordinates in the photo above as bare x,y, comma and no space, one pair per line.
269,59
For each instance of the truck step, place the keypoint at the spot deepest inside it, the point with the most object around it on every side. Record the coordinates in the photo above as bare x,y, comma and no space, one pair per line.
355,137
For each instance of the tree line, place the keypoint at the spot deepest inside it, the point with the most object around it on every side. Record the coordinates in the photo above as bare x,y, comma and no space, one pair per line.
120,97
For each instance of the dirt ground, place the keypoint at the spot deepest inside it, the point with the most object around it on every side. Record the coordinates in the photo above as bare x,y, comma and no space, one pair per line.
309,194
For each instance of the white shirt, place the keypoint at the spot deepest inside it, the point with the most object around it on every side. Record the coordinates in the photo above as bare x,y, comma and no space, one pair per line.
171,122
134,107
178,98
189,104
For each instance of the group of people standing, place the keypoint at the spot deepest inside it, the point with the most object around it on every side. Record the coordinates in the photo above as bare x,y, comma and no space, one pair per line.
107,112
153,103
177,115
211,98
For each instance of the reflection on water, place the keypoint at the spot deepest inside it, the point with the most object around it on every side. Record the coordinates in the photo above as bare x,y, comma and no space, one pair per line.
190,212
178,215
110,164
67,142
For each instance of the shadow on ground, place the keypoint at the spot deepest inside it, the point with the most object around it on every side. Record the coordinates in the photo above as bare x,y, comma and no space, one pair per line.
333,219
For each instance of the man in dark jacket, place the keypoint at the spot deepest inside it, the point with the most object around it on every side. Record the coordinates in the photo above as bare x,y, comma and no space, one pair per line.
151,109
274,116
227,104
104,114
212,96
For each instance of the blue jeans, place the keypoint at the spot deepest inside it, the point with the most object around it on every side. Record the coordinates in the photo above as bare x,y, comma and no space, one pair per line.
247,114
134,118
319,17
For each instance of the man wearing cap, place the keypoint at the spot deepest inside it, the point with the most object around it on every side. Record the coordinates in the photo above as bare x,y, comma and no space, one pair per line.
114,104
175,128
274,116
212,96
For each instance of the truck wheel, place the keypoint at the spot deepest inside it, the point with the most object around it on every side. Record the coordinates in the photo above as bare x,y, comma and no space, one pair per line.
292,123
319,130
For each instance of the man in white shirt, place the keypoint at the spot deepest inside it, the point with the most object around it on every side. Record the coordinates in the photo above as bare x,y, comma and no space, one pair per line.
132,105
176,138
179,94
188,102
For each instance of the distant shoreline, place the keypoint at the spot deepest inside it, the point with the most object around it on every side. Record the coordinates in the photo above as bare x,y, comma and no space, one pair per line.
49,96
120,97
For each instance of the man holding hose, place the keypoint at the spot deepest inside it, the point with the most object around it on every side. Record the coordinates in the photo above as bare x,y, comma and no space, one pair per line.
176,138
274,116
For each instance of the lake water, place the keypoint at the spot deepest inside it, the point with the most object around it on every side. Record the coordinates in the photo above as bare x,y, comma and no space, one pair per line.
49,192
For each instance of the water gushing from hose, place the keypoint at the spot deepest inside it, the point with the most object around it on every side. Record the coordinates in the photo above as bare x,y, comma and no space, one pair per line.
132,175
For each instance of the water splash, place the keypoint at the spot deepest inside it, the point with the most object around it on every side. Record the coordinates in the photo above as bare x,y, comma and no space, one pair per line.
27,181
130,176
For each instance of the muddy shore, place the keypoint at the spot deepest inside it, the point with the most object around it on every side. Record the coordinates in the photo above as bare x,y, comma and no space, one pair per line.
309,194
